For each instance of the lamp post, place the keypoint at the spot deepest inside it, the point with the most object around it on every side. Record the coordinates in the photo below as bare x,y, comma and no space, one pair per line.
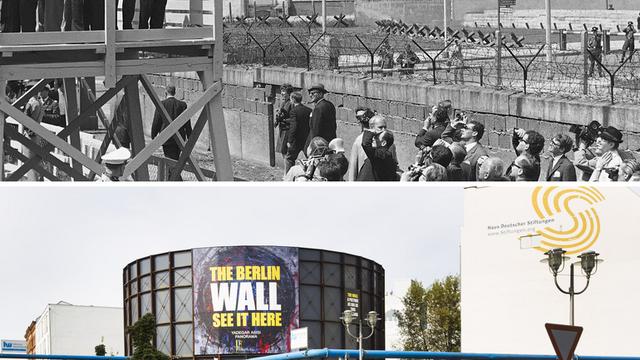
556,261
349,317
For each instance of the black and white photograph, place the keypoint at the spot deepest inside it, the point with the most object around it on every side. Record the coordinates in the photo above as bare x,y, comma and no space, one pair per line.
320,90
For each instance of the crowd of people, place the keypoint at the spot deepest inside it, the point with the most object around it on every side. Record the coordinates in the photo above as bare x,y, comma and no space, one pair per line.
449,148
75,15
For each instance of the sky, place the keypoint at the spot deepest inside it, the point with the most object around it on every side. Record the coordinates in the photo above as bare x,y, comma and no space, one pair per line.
71,243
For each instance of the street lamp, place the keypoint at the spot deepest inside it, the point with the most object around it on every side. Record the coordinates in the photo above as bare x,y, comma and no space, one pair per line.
556,260
349,317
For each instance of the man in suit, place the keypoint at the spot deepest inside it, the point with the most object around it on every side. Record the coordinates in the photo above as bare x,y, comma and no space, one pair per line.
527,144
128,10
471,135
559,167
323,117
73,17
18,15
298,130
174,107
152,14
434,127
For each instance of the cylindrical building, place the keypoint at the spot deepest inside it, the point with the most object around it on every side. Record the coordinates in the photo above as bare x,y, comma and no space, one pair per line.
243,301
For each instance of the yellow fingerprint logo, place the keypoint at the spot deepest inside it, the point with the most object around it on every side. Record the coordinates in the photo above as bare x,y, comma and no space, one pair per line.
578,206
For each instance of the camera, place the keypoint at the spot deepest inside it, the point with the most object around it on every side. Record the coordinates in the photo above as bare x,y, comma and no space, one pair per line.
588,134
612,173
311,163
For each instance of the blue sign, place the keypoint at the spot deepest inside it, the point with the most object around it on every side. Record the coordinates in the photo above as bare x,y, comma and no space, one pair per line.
14,346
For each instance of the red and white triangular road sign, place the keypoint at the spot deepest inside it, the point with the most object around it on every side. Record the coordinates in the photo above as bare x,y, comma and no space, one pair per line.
564,339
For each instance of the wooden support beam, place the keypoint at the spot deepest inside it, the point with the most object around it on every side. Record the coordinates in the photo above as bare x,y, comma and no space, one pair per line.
218,134
110,44
75,124
41,38
71,113
217,126
20,156
45,155
175,125
101,115
105,144
167,120
136,131
188,149
48,136
96,68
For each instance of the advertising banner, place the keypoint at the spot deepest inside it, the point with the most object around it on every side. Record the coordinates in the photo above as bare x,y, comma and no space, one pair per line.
509,293
245,299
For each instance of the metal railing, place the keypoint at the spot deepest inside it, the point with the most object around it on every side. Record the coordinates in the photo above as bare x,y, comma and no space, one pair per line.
382,354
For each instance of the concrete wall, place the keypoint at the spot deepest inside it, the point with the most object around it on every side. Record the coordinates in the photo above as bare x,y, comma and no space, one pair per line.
246,113
462,7
562,18
409,11
405,104
308,7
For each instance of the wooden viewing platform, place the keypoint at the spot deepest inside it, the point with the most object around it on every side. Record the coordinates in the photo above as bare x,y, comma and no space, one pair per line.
122,58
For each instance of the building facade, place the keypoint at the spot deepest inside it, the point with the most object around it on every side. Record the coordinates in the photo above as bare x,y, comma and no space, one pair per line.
508,294
68,329
200,311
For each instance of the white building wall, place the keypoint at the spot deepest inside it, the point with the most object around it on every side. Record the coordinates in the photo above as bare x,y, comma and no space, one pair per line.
508,295
43,333
76,330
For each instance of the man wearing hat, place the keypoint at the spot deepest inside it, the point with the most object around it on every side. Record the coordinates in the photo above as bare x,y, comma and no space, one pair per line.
608,159
323,117
629,42
114,163
595,51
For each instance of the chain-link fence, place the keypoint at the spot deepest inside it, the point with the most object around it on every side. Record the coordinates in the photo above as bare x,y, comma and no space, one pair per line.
421,53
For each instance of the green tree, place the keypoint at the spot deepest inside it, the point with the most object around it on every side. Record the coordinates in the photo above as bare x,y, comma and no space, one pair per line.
142,334
412,319
430,318
443,313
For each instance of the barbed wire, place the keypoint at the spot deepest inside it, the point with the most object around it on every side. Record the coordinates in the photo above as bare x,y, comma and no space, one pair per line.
351,50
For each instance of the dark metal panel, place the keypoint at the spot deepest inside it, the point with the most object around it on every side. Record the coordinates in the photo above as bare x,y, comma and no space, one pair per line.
333,303
309,255
333,335
331,274
309,304
315,333
330,256
350,277
310,273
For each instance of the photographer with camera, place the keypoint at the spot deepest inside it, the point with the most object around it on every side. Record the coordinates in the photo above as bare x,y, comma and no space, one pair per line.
306,170
583,157
608,159
528,146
